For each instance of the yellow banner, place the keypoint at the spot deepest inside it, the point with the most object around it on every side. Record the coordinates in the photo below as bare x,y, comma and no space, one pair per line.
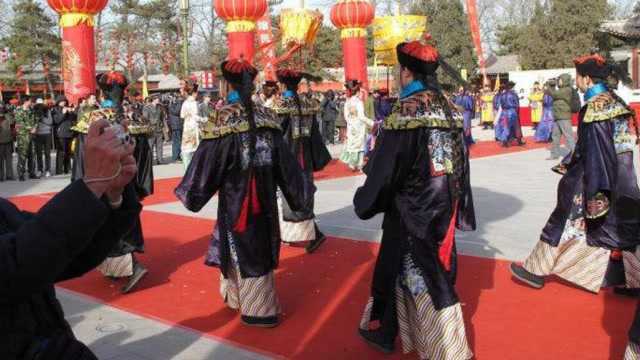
299,26
389,31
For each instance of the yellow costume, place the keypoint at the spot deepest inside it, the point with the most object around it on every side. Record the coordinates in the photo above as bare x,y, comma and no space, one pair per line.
535,103
486,103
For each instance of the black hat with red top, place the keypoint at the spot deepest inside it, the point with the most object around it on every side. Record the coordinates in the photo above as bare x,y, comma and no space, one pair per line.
593,65
418,57
113,85
290,78
237,71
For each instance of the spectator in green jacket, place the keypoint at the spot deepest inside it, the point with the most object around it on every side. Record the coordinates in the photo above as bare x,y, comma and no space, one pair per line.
562,114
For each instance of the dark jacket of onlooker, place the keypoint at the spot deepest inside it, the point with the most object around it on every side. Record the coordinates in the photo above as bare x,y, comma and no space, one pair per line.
45,123
68,237
175,122
562,98
6,131
155,115
63,122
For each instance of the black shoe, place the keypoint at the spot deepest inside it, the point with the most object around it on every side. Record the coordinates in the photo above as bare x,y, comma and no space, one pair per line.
315,244
22,178
521,142
139,272
264,322
376,340
526,277
34,177
632,293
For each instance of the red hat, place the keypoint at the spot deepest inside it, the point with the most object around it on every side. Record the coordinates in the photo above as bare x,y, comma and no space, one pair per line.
418,57
593,65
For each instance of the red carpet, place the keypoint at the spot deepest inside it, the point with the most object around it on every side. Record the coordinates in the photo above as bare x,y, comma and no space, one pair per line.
323,295
491,148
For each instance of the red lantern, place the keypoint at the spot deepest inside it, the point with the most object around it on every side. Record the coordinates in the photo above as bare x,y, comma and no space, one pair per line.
241,17
78,47
352,18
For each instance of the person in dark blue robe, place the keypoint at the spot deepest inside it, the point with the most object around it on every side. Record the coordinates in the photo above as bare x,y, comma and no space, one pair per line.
592,236
509,117
419,178
244,158
544,128
465,101
497,108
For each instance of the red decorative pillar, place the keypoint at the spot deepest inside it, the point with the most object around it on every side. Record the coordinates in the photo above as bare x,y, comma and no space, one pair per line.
241,17
352,18
78,47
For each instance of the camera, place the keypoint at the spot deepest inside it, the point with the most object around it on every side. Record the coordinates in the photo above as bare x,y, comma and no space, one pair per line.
121,133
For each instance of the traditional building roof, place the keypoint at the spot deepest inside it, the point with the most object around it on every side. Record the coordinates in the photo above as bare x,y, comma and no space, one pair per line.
624,29
502,64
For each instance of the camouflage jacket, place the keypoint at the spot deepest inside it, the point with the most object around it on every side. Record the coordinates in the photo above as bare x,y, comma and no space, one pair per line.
25,121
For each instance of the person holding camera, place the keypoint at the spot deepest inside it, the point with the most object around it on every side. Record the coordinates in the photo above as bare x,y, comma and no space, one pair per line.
63,117
43,138
121,262
68,237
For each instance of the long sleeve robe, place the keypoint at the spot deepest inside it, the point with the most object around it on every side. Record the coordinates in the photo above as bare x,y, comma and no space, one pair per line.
302,135
247,205
408,181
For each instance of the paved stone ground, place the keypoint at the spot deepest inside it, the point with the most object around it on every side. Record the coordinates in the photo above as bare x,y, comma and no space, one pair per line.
513,194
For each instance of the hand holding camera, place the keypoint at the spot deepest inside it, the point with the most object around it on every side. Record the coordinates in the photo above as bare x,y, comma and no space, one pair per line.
109,161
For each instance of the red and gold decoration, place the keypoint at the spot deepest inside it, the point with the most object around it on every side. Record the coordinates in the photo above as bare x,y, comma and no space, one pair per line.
241,17
472,13
78,47
352,18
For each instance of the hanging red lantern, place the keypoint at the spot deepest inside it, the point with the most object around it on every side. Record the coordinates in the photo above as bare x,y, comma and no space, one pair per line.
352,18
78,47
241,17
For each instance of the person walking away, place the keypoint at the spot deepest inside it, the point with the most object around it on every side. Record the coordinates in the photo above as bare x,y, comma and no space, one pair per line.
176,126
26,125
357,124
419,178
301,133
6,146
592,236
63,117
243,157
535,104
545,127
465,102
329,115
562,112
191,121
43,138
155,115
509,117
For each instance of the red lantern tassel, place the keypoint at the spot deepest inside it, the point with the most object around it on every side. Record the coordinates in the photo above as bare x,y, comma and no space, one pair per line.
250,199
447,245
